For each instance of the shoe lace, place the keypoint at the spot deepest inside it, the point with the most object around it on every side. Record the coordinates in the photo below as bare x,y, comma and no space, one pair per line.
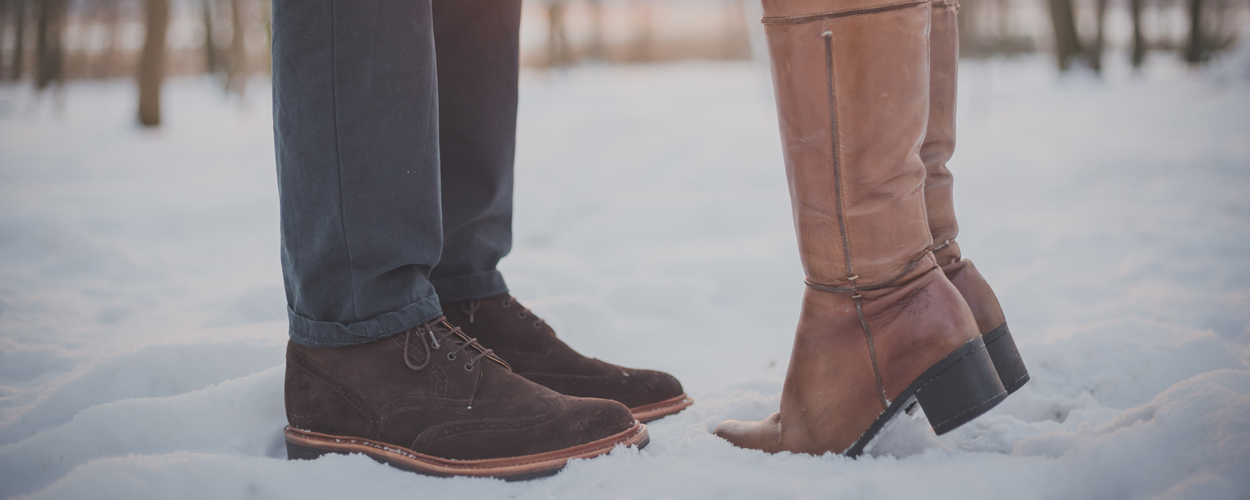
458,340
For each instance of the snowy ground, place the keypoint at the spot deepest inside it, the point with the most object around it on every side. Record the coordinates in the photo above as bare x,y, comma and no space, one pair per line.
141,312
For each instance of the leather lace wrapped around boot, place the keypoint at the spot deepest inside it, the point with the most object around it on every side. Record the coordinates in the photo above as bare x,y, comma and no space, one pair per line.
432,400
938,147
527,343
881,325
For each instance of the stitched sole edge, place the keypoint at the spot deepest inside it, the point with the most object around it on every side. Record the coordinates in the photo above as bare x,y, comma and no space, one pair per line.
308,444
647,413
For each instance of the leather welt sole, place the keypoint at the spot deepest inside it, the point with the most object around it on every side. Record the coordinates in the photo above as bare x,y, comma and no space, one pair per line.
307,445
647,413
952,392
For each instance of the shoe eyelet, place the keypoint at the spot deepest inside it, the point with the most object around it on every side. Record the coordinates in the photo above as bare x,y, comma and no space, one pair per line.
520,314
537,324
451,356
468,367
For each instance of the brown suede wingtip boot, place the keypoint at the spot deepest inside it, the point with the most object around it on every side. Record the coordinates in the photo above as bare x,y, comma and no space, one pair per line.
432,400
881,326
531,347
938,147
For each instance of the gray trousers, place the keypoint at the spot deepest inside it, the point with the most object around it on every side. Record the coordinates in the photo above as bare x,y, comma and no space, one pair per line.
395,129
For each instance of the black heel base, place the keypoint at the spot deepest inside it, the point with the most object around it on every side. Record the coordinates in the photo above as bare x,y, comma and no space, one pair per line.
961,387
1006,357
955,390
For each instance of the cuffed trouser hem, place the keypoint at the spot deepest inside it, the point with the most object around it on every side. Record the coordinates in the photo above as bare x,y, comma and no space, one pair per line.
471,287
314,333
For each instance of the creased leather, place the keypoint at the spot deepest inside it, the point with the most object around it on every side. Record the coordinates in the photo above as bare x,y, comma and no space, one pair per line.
938,147
536,353
880,74
368,391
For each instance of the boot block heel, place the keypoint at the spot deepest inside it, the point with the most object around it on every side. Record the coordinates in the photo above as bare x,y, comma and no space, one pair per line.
1006,357
962,386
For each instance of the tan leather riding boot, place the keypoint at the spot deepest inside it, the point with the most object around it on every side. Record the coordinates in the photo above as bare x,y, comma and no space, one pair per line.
881,325
939,145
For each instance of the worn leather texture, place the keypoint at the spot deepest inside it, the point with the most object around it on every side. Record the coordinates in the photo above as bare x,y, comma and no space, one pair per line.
443,409
938,147
853,98
880,105
536,353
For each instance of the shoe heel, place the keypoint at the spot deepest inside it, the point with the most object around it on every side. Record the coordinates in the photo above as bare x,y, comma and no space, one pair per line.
1006,357
961,387
300,452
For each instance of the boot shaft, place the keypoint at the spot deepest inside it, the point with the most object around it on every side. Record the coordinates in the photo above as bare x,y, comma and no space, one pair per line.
939,141
852,96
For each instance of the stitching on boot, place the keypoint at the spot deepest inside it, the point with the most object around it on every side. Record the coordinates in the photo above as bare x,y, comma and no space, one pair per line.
827,35
433,435
892,280
807,18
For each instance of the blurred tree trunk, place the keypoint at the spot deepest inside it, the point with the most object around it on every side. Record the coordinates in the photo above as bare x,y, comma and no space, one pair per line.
1139,41
557,34
737,44
236,73
969,36
1195,52
1067,42
596,50
210,48
1004,18
152,62
265,11
6,9
644,43
1095,52
19,42
49,47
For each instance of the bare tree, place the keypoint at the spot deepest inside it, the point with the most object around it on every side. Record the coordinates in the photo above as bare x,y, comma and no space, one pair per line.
236,71
19,42
1067,42
595,49
737,45
210,47
644,42
1195,50
152,62
1095,51
6,6
558,50
1139,40
49,43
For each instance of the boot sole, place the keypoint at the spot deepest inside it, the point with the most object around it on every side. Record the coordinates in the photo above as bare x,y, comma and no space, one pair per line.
962,386
1006,357
307,445
647,413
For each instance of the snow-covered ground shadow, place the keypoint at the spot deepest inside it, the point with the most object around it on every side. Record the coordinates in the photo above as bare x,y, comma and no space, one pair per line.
141,328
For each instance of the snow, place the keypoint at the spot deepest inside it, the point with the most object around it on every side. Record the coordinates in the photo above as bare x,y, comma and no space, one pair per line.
141,322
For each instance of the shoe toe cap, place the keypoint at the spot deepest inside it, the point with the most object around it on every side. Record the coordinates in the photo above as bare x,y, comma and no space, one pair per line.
649,386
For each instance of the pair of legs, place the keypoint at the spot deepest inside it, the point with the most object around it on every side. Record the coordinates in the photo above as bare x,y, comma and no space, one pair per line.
395,126
892,315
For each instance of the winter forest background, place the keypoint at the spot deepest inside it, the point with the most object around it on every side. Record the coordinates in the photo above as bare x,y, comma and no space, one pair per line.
1103,187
